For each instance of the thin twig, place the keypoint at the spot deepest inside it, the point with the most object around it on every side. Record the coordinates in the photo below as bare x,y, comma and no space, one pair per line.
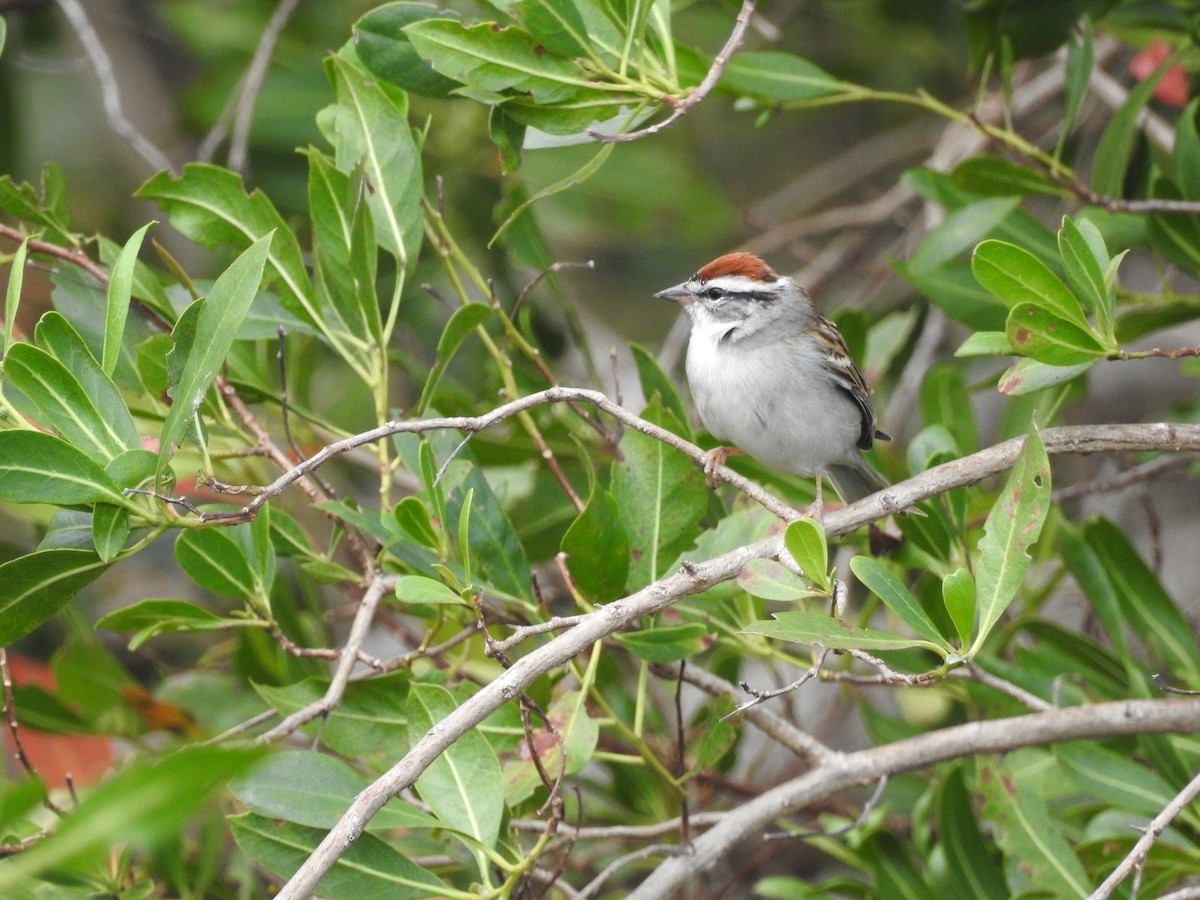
251,83
1144,472
110,94
1137,854
348,659
758,697
702,90
593,886
976,672
10,716
871,803
557,623
537,279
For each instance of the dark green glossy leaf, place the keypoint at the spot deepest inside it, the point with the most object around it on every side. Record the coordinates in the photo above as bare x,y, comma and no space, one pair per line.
209,205
878,579
36,586
972,870
655,381
39,468
944,401
597,549
383,47
1185,159
413,518
556,25
992,176
1120,135
215,561
110,530
1115,779
953,289
369,723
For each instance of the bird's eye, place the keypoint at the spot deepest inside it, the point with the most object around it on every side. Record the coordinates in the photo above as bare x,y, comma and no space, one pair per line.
714,293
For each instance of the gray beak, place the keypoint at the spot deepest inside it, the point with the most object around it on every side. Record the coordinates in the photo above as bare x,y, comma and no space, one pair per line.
677,294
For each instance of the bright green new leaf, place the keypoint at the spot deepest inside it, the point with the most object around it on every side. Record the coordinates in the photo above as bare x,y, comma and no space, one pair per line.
1078,243
805,541
216,326
36,586
120,292
958,593
877,578
985,343
1037,333
805,627
1011,528
16,278
39,468
1016,276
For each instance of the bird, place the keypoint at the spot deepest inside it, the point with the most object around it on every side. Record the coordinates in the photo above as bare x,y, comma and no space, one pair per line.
772,376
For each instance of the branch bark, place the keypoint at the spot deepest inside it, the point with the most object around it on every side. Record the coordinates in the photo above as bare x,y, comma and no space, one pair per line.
831,776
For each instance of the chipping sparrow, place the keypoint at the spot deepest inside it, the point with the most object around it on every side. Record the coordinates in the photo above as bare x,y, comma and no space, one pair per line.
773,376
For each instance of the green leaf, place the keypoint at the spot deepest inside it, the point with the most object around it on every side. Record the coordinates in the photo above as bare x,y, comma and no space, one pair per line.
944,402
314,789
413,518
36,586
1086,258
368,724
953,289
878,579
132,468
1016,276
962,229
993,176
805,541
556,25
1028,376
777,77
1088,571
958,593
39,468
464,785
63,403
597,549
1115,779
464,320
369,130
345,253
1035,332
215,561
210,206
384,48
1147,606
579,733
1078,72
971,867
146,804
1120,135
149,618
771,580
666,644
120,292
805,627
370,867
220,315
12,293
661,497
1185,159
577,177
110,530
1012,526
419,589
655,381
495,58
1025,831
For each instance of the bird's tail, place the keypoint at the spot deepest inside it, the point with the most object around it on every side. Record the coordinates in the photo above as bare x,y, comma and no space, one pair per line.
853,482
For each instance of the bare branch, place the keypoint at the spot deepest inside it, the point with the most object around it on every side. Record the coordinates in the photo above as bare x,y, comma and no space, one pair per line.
110,94
10,717
1137,855
703,89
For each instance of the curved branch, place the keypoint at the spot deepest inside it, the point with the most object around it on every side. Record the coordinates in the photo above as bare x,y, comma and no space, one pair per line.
1100,720
1094,721
703,89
